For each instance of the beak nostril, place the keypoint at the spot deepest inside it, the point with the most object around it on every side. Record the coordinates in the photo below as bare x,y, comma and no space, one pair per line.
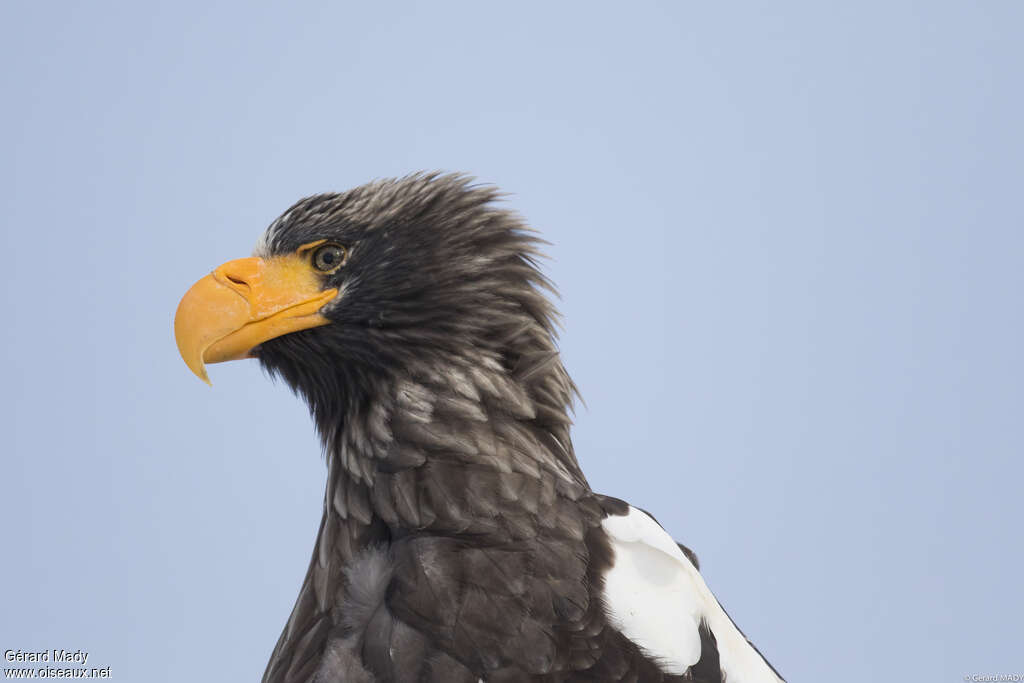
240,275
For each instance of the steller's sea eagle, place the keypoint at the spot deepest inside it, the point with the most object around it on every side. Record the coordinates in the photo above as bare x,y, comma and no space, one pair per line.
460,541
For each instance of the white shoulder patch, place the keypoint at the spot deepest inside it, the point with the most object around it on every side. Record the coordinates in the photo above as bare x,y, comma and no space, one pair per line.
656,597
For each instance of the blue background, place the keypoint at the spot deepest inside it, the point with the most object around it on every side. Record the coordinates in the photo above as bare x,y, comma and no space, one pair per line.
788,238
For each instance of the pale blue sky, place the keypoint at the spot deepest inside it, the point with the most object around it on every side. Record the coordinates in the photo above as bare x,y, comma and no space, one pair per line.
788,238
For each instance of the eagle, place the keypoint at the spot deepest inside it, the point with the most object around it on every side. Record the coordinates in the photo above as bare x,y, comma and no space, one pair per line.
460,540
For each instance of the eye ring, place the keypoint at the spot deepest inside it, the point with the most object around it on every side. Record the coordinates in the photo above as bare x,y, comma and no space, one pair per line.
329,257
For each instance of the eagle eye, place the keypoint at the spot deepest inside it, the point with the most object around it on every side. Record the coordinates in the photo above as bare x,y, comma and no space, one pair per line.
329,257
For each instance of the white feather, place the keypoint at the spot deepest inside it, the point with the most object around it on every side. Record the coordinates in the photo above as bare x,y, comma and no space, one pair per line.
656,597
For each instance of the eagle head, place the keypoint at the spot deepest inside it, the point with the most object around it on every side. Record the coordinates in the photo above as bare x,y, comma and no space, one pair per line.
348,291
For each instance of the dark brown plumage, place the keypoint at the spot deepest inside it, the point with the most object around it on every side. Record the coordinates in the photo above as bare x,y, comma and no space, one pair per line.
460,540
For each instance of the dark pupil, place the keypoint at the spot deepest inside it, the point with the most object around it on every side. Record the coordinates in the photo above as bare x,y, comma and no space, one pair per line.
328,257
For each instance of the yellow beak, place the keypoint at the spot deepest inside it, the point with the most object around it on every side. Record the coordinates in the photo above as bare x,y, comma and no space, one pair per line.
244,303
